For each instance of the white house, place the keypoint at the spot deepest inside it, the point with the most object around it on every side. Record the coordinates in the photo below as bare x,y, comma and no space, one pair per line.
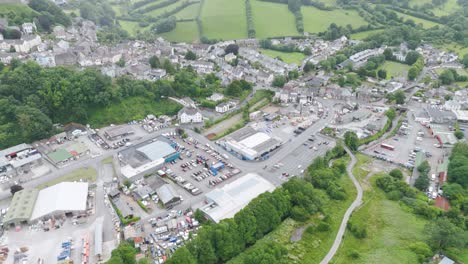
216,97
28,28
229,57
190,115
224,107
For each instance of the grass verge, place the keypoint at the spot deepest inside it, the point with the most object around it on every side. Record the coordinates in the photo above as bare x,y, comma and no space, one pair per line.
83,174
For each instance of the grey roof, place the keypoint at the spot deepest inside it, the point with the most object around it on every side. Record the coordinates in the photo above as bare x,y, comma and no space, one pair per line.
189,111
98,238
143,191
242,133
119,131
21,206
446,260
167,194
156,150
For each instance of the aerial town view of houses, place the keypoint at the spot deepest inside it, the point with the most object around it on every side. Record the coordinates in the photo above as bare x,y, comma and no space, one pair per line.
229,131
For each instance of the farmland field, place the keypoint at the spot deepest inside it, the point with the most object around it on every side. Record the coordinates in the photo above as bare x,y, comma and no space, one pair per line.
395,69
18,9
130,26
271,19
316,20
189,12
455,47
448,8
184,32
365,34
425,23
224,19
162,10
288,57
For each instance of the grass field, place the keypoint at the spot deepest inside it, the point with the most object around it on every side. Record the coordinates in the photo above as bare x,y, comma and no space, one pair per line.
83,174
271,19
455,47
449,7
395,69
224,19
288,57
18,9
390,231
130,109
162,10
184,32
131,27
316,20
190,12
365,34
425,23
312,247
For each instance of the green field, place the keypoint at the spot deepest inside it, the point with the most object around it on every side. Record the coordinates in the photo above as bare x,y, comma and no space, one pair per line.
395,69
316,20
365,34
455,47
425,23
19,10
271,19
184,32
224,19
190,12
130,109
131,27
83,174
288,57
449,7
162,10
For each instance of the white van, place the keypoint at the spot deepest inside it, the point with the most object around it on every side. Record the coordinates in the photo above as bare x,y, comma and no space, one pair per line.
433,177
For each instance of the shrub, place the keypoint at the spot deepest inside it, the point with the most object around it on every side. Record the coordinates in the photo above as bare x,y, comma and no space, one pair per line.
323,226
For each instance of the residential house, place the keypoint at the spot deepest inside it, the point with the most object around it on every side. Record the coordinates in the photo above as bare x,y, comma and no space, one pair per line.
28,28
190,115
216,97
225,107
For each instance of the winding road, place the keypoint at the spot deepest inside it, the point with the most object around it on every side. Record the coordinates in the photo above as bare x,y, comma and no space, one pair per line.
357,202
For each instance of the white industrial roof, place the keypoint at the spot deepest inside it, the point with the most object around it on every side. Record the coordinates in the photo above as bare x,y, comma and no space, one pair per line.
255,139
462,115
227,201
156,150
62,197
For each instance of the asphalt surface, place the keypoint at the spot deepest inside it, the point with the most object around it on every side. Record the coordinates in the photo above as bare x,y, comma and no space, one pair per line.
357,202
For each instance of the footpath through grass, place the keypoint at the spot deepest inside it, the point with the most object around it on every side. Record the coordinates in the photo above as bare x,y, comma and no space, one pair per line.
391,229
312,247
131,108
83,174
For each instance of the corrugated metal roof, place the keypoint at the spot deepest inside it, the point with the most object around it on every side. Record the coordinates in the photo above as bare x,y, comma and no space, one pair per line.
166,193
156,150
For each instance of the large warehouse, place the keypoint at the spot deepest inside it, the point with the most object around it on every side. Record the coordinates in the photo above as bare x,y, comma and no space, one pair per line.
29,205
146,157
227,201
250,144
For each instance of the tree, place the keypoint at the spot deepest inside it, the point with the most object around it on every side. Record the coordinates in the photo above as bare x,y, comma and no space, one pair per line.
412,73
422,182
232,48
181,256
351,140
465,60
309,66
123,254
400,97
167,65
411,57
388,53
15,188
396,173
443,234
459,134
279,81
293,75
154,62
121,62
382,74
447,76
190,55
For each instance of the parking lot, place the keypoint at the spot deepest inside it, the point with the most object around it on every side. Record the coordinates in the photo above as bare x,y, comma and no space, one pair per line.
199,167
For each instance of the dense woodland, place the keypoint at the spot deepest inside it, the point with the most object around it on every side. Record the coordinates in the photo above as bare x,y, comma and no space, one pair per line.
34,98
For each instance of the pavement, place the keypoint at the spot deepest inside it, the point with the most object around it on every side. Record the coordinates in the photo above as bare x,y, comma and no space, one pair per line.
357,202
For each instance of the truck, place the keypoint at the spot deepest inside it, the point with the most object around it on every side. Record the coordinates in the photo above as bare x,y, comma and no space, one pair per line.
387,146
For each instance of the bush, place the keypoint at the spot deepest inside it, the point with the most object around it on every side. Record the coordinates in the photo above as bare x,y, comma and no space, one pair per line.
323,226
396,173
354,254
299,214
358,231
310,229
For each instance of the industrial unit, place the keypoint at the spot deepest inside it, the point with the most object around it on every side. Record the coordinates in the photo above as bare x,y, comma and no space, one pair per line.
146,158
250,144
227,201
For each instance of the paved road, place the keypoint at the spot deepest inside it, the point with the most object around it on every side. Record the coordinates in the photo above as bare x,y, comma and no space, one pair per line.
357,202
